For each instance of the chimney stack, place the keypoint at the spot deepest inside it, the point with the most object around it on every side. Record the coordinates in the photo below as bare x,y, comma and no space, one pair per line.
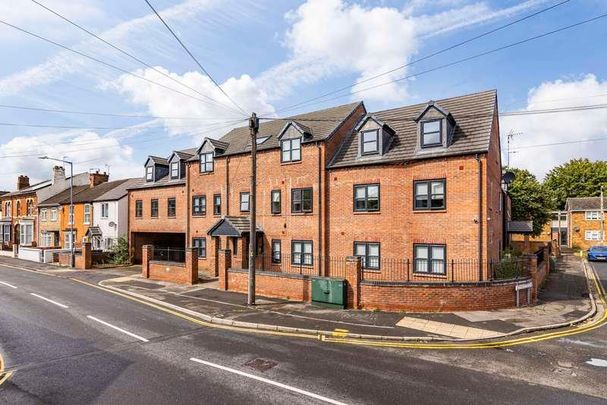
22,182
58,174
97,178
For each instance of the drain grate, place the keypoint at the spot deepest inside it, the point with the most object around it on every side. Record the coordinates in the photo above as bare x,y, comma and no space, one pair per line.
261,364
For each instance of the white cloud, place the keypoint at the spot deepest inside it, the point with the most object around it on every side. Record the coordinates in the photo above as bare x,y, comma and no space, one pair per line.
330,37
209,119
86,149
560,127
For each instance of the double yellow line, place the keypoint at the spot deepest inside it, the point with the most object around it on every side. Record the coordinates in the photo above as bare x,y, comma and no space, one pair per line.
3,376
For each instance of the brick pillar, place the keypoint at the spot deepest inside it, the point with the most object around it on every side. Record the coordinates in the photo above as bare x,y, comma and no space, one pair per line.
87,256
531,262
191,265
224,261
147,252
527,244
353,276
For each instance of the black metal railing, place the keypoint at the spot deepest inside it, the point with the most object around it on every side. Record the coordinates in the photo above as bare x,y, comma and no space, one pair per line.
540,256
169,254
396,270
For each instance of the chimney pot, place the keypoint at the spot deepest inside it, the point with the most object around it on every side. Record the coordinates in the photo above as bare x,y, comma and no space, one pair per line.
22,182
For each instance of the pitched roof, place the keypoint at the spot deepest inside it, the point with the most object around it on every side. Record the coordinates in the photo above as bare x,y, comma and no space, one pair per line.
158,160
120,190
320,124
520,227
231,226
62,197
473,115
30,189
185,154
91,193
585,203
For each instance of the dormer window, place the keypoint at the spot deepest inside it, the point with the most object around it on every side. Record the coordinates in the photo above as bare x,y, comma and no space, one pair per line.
369,142
149,173
431,133
206,162
291,150
175,170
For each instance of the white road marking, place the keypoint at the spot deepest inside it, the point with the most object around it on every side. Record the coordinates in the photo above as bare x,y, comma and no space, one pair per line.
7,284
118,329
267,381
51,301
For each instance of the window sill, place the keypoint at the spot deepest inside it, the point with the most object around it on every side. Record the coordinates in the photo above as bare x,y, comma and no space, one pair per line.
276,214
205,173
302,214
366,212
430,275
198,215
426,211
295,162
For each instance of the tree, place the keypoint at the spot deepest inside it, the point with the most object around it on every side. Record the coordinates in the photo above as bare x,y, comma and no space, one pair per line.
530,201
120,251
576,178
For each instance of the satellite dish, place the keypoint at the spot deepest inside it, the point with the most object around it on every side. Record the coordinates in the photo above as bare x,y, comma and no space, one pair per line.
508,178
112,224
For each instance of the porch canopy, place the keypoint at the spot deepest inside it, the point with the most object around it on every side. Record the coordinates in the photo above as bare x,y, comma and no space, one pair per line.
520,227
93,231
232,226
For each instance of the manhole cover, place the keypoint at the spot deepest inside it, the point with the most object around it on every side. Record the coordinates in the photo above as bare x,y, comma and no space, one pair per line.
261,364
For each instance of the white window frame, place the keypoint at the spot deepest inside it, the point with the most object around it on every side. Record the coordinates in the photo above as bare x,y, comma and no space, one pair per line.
70,215
290,150
593,215
592,234
206,162
68,238
47,239
105,210
87,213
302,252
54,214
244,201
149,173
26,234
43,214
175,170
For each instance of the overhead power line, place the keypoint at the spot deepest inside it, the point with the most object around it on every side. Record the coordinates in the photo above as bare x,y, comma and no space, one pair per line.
542,145
459,61
194,58
17,124
107,64
431,55
459,116
131,56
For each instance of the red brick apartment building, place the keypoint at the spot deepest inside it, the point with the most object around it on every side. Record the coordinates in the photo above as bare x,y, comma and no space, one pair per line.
158,213
414,191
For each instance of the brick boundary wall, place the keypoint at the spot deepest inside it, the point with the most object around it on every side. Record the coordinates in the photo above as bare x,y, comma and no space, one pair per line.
174,272
83,259
292,287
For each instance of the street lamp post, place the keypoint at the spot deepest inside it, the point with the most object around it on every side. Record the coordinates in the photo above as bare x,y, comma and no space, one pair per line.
71,213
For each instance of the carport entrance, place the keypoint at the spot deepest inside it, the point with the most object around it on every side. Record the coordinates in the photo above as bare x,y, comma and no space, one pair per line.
160,239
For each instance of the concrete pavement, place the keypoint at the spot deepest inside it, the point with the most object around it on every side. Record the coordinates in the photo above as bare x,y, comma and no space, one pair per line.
60,355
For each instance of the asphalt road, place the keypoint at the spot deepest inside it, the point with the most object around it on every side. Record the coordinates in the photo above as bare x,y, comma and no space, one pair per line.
68,343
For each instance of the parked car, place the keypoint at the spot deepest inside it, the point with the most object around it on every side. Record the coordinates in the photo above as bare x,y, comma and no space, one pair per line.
597,253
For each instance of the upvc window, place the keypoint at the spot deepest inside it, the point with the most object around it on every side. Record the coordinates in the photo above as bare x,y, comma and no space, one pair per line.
369,254
201,246
175,170
138,208
301,252
429,259
26,234
369,142
53,214
154,208
70,215
301,200
429,195
217,204
431,133
276,250
87,214
68,239
47,239
206,162
592,235
593,215
105,208
199,205
6,233
43,215
8,209
291,150
366,197
276,205
149,173
171,207
244,202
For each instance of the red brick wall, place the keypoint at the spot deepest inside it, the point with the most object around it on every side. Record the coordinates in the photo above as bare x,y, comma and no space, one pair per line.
163,223
294,288
493,228
438,298
397,226
169,271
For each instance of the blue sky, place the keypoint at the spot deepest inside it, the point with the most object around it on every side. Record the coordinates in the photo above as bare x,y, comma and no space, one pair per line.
272,54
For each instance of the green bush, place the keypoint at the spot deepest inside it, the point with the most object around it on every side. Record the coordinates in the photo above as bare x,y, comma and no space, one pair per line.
120,252
509,267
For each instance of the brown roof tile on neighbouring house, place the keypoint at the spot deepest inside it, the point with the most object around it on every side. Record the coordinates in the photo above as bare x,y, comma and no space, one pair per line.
473,115
585,203
121,190
62,197
89,195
